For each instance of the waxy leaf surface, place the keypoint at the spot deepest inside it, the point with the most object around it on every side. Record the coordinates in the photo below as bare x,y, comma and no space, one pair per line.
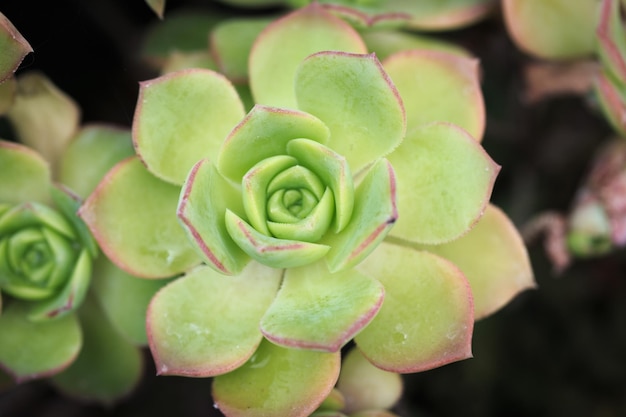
438,87
281,47
132,215
356,99
181,118
316,309
207,324
427,317
14,48
277,381
444,179
25,175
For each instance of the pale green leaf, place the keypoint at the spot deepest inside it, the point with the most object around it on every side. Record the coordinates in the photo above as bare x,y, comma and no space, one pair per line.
25,175
14,48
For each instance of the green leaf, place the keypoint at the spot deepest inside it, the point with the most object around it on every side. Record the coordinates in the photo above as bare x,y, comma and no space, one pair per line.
206,324
25,175
93,151
281,47
68,204
427,318
438,86
124,299
316,309
552,29
277,382
8,89
13,46
334,172
30,350
132,215
493,258
386,42
355,98
70,296
270,251
202,209
365,386
444,180
108,366
265,132
611,45
374,215
182,117
231,42
43,116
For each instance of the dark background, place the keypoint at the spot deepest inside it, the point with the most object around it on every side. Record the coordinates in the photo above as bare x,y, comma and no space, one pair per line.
559,350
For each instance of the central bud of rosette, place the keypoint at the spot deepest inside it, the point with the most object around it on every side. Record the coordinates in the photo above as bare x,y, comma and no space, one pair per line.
291,202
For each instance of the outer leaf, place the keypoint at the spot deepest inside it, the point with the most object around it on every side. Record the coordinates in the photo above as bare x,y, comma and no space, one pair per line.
44,117
353,95
13,46
231,42
386,42
124,299
132,216
374,215
202,210
612,102
181,118
427,318
315,309
444,183
552,29
91,153
25,175
108,366
365,386
281,47
30,350
207,324
493,258
277,382
265,132
611,36
157,6
438,86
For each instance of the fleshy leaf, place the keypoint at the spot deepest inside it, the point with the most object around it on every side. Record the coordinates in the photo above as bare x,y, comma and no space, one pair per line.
388,42
277,381
493,258
334,401
124,299
612,102
25,175
270,251
438,86
68,204
316,309
611,37
182,117
201,210
43,116
374,215
552,29
444,180
30,350
206,324
177,61
365,386
108,366
132,215
231,42
355,98
427,318
265,132
13,46
91,153
281,47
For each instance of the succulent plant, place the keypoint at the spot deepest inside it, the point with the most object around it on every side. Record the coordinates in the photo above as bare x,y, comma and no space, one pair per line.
332,204
67,312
